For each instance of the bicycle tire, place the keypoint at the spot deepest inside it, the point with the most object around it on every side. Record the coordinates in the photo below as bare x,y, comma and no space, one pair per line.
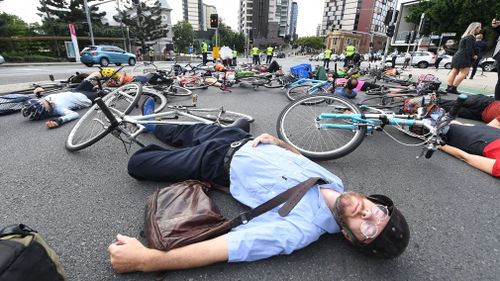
144,68
298,126
93,125
253,80
226,117
177,91
275,83
302,90
386,101
160,99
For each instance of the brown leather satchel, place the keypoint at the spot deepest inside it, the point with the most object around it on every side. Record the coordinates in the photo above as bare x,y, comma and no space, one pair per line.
182,213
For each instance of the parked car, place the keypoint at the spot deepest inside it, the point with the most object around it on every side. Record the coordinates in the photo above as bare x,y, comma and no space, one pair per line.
105,55
488,64
421,59
446,61
2,60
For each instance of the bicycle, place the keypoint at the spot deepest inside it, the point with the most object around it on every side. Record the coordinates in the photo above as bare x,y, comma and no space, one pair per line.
49,87
304,87
324,127
144,68
111,114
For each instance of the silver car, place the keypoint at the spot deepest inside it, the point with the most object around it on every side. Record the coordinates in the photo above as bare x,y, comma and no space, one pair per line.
2,60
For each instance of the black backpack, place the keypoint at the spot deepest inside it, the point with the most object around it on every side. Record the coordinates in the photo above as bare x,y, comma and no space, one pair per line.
25,256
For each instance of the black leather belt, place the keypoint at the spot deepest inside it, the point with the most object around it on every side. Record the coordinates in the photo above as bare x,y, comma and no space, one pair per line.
232,149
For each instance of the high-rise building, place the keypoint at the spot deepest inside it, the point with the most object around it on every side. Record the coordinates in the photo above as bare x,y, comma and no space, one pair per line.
192,11
294,12
363,17
264,21
207,11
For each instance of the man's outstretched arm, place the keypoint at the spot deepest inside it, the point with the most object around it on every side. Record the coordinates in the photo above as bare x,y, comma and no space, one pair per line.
128,255
269,139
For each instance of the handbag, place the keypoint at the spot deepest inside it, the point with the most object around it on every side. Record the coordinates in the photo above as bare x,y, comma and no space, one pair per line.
183,213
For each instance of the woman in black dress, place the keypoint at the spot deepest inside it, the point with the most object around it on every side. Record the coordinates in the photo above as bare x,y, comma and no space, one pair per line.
463,58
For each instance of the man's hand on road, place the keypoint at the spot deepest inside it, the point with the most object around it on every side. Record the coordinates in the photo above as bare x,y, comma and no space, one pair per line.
127,254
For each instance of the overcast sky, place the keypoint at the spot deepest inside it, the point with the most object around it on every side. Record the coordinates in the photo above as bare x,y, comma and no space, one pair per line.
310,12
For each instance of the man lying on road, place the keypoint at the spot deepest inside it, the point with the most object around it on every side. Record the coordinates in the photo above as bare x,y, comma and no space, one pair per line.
256,170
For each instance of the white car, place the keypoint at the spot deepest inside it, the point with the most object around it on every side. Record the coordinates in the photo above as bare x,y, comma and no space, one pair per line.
421,59
446,62
488,64
2,60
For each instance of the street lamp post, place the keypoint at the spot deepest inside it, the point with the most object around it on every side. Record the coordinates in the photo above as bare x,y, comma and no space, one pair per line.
87,12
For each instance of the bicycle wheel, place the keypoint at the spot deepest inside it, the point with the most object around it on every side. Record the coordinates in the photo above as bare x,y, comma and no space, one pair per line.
178,91
299,126
386,101
160,99
302,90
144,68
94,125
219,115
275,83
253,80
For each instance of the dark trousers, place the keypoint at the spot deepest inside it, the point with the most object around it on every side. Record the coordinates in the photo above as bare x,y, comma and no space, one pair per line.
326,63
472,107
438,61
200,155
269,58
204,56
256,59
393,61
234,61
474,67
497,87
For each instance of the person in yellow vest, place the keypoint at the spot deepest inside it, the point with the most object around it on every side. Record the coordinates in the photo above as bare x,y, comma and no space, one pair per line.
349,53
204,51
235,55
269,53
255,55
326,59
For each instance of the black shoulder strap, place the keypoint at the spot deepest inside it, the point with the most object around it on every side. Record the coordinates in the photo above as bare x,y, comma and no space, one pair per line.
20,229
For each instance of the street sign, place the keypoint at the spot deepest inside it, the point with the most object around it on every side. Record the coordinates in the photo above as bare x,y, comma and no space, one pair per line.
435,37
449,34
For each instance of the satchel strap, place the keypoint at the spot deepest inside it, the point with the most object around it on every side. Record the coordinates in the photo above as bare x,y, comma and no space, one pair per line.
291,196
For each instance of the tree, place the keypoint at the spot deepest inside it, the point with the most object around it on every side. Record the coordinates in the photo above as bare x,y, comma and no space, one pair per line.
443,14
183,36
313,42
144,21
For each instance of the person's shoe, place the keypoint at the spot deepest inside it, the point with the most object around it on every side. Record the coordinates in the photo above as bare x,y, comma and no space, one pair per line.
451,90
147,105
241,123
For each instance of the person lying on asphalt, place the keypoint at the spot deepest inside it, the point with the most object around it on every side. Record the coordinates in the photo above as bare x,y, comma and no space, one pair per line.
477,145
256,170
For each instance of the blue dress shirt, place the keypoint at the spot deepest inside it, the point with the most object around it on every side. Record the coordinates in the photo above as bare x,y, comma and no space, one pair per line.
64,103
258,174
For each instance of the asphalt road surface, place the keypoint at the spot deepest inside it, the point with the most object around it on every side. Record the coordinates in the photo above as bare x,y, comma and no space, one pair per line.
80,201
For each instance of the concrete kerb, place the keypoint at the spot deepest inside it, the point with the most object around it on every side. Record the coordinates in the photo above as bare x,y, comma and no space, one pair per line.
11,64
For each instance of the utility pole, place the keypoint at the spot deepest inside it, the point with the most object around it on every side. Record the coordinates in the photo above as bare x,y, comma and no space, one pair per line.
87,13
125,45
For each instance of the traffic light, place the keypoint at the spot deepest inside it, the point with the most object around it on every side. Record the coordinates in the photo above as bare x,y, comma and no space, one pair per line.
388,17
214,21
425,28
413,36
407,40
390,31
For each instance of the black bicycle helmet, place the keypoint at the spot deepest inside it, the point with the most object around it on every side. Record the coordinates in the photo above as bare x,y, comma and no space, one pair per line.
33,109
393,239
352,83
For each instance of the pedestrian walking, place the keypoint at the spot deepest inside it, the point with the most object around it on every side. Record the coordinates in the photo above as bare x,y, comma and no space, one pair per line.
407,60
235,56
269,54
463,58
496,54
151,54
255,55
479,47
394,57
326,59
440,56
204,51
